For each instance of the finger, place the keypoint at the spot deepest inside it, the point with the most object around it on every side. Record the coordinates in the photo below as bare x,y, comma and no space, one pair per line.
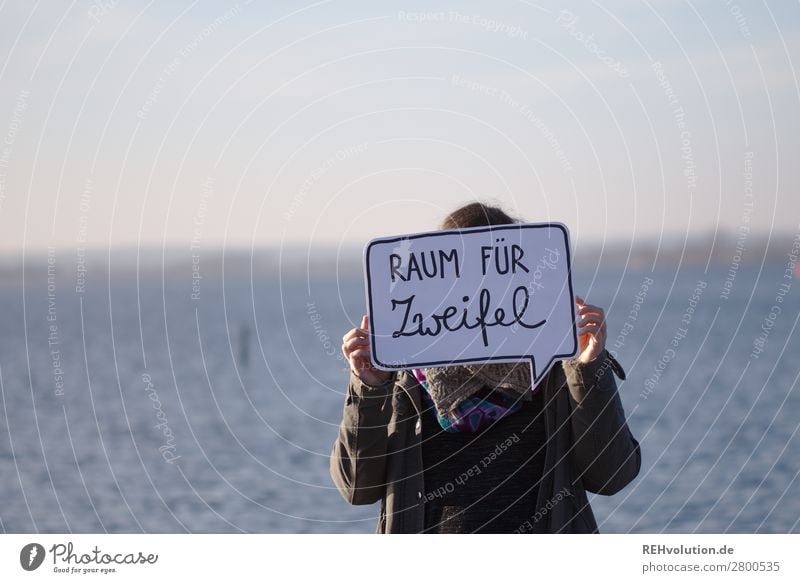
591,327
591,313
589,324
588,308
354,343
591,318
579,300
598,333
365,322
361,356
354,333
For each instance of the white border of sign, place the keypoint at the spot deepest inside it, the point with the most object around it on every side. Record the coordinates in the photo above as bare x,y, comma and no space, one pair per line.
536,375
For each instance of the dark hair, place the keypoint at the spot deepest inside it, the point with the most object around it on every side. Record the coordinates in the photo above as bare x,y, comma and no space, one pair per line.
476,214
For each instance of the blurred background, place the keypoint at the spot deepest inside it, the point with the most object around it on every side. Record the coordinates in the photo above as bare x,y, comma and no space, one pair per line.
186,189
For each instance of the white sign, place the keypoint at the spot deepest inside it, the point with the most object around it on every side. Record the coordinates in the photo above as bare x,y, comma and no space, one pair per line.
482,294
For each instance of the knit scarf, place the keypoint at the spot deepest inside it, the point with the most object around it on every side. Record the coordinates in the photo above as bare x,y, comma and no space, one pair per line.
464,398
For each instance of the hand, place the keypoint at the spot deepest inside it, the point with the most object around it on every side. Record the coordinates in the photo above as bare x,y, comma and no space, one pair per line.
355,347
591,331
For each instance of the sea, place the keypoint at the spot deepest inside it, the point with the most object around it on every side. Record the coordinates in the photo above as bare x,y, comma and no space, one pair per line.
174,393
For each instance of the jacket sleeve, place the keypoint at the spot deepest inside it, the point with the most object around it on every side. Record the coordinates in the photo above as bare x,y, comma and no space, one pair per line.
605,452
358,458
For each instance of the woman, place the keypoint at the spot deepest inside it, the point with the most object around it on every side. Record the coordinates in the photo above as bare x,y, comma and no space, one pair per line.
472,448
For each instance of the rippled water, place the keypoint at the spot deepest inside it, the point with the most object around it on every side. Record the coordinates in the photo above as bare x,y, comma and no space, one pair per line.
218,414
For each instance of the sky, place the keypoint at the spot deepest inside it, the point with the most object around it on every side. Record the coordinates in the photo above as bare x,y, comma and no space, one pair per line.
247,124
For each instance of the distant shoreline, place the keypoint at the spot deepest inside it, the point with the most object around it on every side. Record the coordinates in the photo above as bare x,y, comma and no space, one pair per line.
345,259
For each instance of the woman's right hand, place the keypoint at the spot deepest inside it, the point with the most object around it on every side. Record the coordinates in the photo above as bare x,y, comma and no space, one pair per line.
355,347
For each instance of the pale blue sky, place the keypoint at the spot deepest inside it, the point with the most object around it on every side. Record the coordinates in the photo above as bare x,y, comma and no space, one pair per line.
335,122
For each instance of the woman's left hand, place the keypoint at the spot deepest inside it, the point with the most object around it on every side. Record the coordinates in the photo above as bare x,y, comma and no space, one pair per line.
591,331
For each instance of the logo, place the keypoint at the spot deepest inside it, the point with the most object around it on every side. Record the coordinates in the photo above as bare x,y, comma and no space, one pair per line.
31,556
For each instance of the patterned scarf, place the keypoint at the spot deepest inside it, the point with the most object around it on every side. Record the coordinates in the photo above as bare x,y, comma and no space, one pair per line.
468,398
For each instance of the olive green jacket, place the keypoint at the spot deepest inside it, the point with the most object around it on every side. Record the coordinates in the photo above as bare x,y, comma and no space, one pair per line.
377,454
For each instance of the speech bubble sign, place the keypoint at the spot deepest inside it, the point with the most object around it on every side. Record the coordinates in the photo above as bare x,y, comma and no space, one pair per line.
481,294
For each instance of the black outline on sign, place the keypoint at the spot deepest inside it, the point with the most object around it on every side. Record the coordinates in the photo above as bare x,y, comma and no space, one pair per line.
377,364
